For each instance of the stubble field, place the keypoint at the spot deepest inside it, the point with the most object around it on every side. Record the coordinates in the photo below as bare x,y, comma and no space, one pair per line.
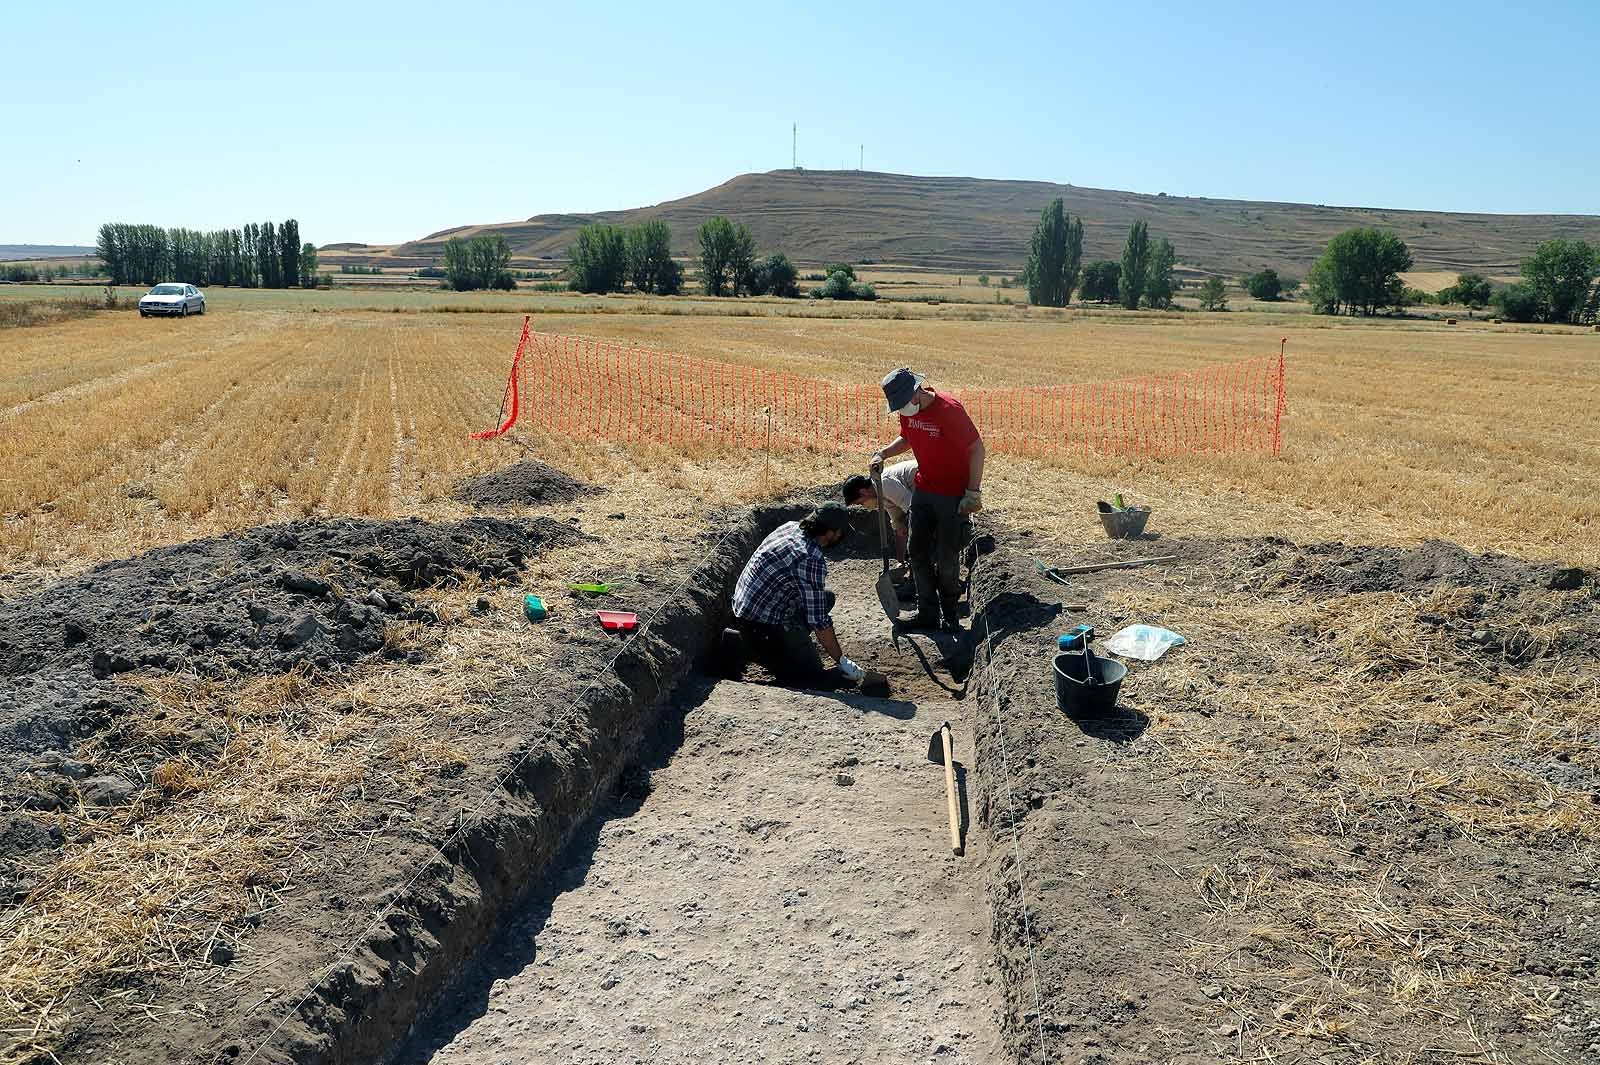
122,435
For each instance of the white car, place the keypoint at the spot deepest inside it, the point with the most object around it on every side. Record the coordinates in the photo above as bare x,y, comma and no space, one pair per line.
172,298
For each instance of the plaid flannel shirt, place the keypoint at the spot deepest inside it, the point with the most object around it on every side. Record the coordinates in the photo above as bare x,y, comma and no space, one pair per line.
783,583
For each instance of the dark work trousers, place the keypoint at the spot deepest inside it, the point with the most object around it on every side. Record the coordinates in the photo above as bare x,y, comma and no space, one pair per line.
934,550
787,651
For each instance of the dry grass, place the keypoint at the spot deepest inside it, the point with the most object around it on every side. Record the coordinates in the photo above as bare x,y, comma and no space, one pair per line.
1379,776
129,436
149,889
17,313
1432,281
124,434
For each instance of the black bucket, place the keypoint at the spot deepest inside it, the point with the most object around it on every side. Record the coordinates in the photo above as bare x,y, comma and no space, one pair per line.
1075,696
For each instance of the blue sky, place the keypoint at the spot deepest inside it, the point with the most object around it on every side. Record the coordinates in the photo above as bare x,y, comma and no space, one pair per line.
382,122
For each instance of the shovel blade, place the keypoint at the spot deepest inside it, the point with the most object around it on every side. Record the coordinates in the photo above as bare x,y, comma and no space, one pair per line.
936,744
887,596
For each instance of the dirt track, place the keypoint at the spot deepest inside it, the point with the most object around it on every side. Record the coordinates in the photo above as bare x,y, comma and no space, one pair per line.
784,893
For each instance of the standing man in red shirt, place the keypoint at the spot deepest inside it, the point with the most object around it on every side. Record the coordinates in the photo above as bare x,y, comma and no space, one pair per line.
950,455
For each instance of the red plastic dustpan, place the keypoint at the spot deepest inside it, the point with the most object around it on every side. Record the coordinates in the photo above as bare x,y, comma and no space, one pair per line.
617,620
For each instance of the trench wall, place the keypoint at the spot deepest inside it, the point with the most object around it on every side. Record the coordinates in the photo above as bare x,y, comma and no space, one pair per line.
369,1000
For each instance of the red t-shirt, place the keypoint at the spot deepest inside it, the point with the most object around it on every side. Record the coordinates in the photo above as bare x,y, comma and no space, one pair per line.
941,436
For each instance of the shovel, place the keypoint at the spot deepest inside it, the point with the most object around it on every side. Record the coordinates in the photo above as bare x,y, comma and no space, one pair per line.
885,587
942,748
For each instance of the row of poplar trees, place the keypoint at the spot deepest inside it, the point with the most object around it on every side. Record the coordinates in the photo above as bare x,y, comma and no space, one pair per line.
1144,277
257,256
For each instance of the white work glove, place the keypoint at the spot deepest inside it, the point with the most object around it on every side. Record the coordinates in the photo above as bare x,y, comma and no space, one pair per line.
850,671
972,501
875,464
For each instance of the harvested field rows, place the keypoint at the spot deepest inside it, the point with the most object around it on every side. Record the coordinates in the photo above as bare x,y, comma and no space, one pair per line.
140,433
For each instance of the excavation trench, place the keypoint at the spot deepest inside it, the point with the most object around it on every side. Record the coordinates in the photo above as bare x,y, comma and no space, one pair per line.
773,882
690,869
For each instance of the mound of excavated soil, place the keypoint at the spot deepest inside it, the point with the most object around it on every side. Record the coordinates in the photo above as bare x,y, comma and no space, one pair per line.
255,603
1342,569
519,485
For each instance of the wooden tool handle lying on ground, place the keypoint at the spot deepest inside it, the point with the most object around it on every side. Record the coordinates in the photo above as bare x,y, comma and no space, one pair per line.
1096,567
950,788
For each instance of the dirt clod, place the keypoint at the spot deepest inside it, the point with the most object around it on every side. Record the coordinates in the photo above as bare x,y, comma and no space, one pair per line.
107,791
300,632
307,585
1567,579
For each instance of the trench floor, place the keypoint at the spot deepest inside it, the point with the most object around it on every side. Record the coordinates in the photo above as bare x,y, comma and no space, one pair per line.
785,892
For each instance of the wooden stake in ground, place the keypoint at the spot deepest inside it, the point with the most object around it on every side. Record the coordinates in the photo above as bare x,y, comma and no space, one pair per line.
767,478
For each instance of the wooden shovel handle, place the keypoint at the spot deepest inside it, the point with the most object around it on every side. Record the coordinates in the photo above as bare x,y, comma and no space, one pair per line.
950,788
1096,567
883,521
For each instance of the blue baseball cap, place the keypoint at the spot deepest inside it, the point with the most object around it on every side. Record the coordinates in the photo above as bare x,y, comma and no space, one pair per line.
899,386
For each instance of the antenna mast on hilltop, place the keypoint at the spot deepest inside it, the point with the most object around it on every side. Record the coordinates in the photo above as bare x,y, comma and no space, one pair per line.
794,147
861,160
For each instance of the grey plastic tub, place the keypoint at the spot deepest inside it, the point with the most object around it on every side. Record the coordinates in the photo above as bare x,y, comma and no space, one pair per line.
1125,524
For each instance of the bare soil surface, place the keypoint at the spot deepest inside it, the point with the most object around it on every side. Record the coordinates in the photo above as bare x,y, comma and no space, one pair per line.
1353,820
774,883
319,596
522,484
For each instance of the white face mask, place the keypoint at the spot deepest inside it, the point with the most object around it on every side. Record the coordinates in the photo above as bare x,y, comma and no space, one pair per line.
909,409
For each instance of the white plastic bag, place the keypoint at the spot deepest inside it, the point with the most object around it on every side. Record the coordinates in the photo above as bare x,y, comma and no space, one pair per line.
1144,642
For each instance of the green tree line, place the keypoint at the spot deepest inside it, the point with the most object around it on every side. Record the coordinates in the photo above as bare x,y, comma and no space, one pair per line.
29,273
1359,273
478,262
1559,285
257,256
1144,277
606,258
729,266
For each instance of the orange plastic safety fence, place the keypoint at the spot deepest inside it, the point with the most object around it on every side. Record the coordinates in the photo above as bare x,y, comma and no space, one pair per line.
612,390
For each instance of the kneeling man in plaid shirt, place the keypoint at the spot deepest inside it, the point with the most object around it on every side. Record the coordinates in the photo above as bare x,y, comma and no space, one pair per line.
780,601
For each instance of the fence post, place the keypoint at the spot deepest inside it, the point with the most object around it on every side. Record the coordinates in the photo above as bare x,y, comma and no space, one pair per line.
766,481
1277,413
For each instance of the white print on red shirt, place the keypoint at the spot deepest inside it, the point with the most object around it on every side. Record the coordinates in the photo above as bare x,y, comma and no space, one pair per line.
927,427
